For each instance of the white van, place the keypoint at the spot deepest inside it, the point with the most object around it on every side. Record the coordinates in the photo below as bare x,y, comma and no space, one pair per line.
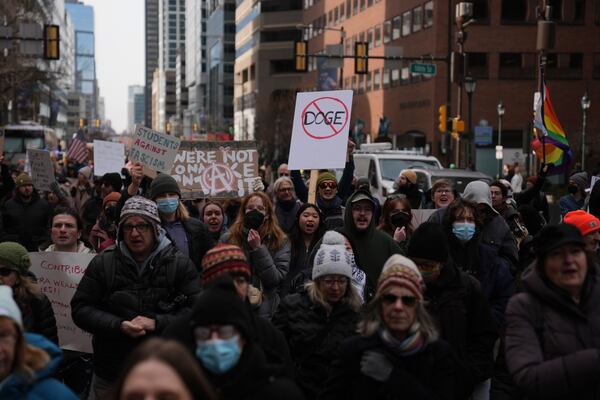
382,165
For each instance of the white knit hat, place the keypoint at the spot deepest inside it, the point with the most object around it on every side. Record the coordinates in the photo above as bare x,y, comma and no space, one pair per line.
332,258
8,307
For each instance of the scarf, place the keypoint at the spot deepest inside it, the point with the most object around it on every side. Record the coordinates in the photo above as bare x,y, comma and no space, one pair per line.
414,343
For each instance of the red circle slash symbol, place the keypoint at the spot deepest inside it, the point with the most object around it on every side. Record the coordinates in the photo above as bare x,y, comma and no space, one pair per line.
319,124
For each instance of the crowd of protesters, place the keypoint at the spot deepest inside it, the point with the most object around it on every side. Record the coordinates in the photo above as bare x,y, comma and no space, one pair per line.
269,296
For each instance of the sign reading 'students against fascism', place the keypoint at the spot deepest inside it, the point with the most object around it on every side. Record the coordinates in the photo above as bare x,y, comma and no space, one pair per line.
154,149
215,169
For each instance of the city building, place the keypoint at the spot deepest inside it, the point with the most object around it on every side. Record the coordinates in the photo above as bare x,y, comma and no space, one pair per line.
195,68
151,50
181,94
75,111
136,104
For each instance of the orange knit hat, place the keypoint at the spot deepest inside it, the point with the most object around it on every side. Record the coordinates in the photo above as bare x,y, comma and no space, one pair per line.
585,222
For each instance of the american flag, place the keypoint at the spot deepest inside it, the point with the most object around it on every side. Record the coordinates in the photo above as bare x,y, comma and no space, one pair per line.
77,151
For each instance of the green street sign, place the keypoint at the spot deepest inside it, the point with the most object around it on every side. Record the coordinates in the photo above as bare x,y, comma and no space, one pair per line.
425,69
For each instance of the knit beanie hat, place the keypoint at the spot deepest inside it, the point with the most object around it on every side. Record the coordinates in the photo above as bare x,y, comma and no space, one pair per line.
113,179
585,222
580,179
141,206
326,176
14,256
553,236
163,183
85,171
220,304
400,271
224,258
23,179
332,258
429,242
112,196
410,175
8,307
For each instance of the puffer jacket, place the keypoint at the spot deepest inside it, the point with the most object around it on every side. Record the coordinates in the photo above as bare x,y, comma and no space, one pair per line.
313,336
25,223
42,385
552,343
113,290
40,318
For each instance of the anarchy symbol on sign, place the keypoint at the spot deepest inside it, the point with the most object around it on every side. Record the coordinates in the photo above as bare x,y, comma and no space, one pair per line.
218,178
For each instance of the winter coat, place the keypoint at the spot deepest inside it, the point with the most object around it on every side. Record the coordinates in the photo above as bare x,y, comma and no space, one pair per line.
456,302
426,375
299,263
81,248
80,195
286,214
269,268
25,223
40,318
199,240
313,336
551,342
43,385
372,247
413,194
113,290
568,203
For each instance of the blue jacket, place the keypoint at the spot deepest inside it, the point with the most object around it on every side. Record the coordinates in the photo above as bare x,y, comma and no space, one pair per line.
18,386
568,203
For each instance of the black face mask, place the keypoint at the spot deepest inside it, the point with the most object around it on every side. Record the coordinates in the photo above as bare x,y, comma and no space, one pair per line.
253,219
400,219
573,189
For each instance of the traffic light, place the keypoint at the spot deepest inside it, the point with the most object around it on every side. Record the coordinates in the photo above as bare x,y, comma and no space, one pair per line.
195,126
81,122
168,128
443,118
361,58
51,42
458,125
97,123
301,56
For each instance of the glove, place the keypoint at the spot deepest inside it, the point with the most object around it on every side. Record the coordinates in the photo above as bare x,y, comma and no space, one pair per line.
376,365
257,185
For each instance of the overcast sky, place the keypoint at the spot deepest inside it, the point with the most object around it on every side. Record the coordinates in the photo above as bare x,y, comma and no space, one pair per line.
119,53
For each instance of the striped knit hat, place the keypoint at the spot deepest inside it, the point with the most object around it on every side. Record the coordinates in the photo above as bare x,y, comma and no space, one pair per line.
224,258
400,271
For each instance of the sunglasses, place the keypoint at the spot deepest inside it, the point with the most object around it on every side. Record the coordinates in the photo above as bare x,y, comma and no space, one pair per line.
408,301
5,271
330,185
204,333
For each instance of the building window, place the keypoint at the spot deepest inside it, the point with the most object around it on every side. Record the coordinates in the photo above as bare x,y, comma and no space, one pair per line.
564,66
354,82
378,36
478,65
361,37
387,31
377,80
396,28
514,11
481,11
368,82
348,9
330,20
417,19
405,75
362,5
369,3
428,14
370,38
342,14
282,66
386,78
395,77
579,11
406,23
361,84
517,65
355,7
557,10
336,16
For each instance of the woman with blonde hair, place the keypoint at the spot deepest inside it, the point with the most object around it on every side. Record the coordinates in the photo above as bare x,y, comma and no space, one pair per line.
267,249
398,353
316,320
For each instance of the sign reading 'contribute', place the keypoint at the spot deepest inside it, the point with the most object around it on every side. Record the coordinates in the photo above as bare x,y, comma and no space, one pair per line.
154,149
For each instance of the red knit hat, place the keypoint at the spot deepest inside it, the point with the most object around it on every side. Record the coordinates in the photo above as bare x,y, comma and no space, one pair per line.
224,258
585,222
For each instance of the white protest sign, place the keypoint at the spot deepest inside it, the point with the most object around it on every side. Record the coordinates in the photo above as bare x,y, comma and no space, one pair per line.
320,130
58,275
42,170
108,157
154,149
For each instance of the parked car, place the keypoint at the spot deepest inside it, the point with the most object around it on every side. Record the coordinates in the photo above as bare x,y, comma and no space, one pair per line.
460,177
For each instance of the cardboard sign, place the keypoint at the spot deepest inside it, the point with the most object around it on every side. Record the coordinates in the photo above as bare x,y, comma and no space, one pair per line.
58,276
108,157
420,216
320,130
154,149
42,170
215,169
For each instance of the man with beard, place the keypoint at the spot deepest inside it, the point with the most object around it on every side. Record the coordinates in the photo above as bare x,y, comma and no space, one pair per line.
24,216
407,185
286,203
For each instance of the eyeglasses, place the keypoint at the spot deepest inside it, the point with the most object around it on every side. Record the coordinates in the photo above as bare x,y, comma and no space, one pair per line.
4,271
203,333
284,174
287,189
408,301
141,228
330,185
442,191
335,281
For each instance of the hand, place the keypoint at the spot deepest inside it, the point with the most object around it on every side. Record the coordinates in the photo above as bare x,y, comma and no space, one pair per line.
253,239
400,234
376,365
132,330
257,185
351,147
146,323
544,170
137,174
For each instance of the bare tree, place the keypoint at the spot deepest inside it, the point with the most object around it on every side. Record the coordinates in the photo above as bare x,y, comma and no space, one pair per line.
274,127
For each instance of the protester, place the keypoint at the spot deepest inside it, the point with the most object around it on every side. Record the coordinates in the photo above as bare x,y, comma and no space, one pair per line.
286,203
551,334
83,190
396,220
104,232
110,182
132,290
57,196
283,170
160,369
225,347
36,310
266,246
407,185
317,319
516,182
371,246
213,216
589,227
7,183
24,217
364,184
457,304
575,199
66,228
27,360
398,354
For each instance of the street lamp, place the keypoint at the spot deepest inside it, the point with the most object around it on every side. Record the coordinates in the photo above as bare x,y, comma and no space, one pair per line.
499,150
470,85
585,105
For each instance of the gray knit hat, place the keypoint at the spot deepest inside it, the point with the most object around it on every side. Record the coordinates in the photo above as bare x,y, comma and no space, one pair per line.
332,258
580,179
163,183
141,206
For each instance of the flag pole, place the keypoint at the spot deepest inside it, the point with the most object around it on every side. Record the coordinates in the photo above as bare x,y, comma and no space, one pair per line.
542,88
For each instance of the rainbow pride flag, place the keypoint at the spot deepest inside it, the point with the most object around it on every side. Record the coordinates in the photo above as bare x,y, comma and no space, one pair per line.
551,136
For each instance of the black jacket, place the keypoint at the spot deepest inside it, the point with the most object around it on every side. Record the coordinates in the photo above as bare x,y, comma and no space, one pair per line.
40,318
286,214
112,291
456,302
427,375
199,240
314,338
25,223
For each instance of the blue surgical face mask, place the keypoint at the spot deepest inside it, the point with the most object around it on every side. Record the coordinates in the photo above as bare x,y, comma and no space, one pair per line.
218,355
463,231
168,205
